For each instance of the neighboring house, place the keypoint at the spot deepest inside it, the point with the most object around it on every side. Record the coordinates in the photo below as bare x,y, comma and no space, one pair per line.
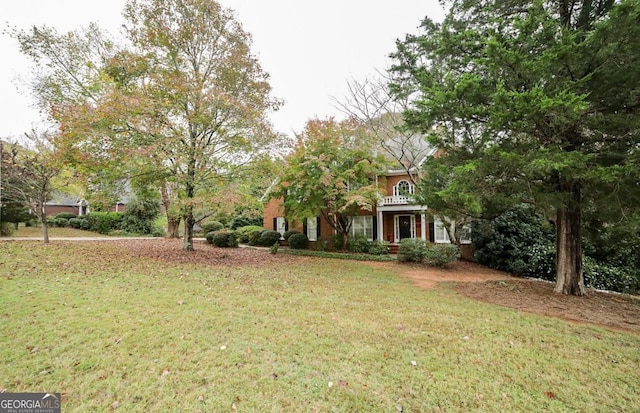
395,217
76,205
64,203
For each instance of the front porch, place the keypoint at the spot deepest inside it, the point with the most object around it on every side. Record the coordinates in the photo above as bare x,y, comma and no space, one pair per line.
397,221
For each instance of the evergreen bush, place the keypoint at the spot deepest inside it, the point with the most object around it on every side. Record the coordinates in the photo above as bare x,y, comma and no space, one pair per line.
298,241
441,255
243,233
412,250
140,215
104,222
211,226
76,222
6,229
289,233
254,236
66,215
379,247
60,222
358,243
268,238
223,239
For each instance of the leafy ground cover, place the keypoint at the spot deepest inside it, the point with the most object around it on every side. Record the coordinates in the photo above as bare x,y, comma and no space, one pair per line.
139,325
36,232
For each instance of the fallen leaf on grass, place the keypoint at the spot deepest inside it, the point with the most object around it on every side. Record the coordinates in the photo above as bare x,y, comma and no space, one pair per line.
551,395
165,373
115,405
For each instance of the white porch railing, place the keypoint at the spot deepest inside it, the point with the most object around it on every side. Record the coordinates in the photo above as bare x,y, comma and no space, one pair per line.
396,200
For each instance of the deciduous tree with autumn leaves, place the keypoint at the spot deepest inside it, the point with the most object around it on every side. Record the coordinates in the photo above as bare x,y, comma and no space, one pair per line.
181,99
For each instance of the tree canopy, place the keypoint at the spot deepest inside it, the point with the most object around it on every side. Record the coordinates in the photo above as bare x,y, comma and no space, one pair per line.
182,100
532,101
31,175
331,172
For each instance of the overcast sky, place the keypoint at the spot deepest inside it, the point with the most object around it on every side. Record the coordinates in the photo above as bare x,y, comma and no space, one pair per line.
310,48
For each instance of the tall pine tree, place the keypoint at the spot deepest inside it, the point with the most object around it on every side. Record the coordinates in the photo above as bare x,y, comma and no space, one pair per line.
533,101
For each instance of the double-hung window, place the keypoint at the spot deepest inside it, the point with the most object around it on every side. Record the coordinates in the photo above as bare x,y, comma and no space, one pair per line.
362,225
312,229
441,236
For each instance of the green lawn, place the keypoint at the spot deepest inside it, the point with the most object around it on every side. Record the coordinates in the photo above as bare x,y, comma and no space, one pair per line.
109,329
36,232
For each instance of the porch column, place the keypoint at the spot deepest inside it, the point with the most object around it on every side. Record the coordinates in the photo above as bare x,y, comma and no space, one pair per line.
423,226
380,227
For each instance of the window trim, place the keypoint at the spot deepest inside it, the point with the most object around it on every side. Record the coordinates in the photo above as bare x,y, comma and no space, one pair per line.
439,223
312,229
367,221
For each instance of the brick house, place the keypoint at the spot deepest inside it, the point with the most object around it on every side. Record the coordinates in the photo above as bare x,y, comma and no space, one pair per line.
63,203
396,215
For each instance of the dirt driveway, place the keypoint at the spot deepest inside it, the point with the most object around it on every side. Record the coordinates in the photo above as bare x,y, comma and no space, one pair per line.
614,311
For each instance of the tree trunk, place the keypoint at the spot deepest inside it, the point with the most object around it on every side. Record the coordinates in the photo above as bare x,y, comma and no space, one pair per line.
189,222
45,232
569,275
173,219
173,225
187,214
43,221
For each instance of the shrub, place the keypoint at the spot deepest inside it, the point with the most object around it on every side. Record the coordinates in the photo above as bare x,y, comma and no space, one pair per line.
608,277
412,250
254,236
441,255
243,233
104,222
239,222
321,244
222,239
289,233
76,222
6,229
85,224
274,248
60,222
140,215
358,243
211,226
508,242
337,241
339,255
379,247
268,238
66,215
298,241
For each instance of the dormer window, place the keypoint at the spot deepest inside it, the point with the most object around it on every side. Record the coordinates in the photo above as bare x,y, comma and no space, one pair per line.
403,188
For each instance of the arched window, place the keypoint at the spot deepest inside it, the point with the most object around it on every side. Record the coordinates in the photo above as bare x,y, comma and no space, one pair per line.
403,188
